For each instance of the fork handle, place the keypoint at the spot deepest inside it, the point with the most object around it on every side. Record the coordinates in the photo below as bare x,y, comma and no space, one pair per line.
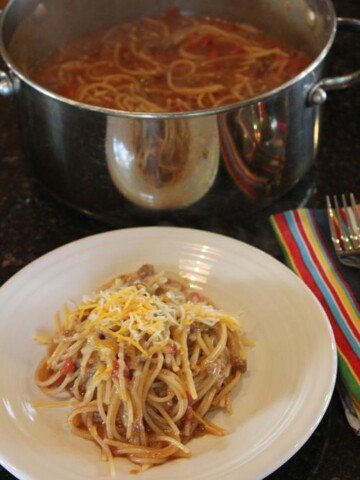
317,94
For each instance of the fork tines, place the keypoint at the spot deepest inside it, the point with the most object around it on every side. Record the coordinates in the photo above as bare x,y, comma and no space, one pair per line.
345,228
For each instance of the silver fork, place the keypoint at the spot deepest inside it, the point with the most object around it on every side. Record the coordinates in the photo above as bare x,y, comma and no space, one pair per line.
345,232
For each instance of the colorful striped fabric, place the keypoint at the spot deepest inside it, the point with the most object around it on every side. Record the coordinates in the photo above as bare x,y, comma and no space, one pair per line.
305,238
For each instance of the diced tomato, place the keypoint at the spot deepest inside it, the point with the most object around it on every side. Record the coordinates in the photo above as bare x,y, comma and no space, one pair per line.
189,412
195,297
176,108
171,348
127,360
231,27
206,40
296,65
69,91
125,53
235,49
116,366
189,398
115,371
68,367
172,11
190,45
127,373
199,43
214,53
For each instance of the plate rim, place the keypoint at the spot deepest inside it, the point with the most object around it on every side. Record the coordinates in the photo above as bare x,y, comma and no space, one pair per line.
235,243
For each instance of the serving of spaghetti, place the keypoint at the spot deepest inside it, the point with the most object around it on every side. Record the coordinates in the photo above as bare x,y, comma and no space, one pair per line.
170,63
143,361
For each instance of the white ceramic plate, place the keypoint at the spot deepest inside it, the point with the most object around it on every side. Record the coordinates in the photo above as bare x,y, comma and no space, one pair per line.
279,403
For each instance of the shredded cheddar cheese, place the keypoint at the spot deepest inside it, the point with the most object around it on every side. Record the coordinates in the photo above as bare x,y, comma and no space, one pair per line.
131,315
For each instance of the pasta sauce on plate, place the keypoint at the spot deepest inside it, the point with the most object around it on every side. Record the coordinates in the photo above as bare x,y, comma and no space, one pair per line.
170,63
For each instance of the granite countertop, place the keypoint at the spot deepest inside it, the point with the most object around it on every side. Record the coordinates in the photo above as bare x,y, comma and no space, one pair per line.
33,223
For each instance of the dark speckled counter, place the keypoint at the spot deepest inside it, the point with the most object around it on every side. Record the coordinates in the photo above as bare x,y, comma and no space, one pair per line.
33,223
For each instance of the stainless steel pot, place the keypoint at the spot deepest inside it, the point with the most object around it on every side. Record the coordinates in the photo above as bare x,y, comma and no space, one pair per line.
93,157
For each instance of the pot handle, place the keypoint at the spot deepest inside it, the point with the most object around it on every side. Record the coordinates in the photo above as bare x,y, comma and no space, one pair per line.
6,85
318,95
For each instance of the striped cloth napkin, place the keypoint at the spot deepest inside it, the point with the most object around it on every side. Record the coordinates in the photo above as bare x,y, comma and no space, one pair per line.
304,236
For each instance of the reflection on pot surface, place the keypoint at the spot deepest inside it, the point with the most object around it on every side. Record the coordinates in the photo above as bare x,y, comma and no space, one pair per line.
162,164
255,147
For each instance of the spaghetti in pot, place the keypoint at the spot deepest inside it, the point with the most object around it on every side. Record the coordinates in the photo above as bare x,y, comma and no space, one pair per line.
170,63
145,359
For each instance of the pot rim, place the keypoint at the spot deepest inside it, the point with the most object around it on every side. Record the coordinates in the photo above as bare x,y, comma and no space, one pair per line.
168,115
